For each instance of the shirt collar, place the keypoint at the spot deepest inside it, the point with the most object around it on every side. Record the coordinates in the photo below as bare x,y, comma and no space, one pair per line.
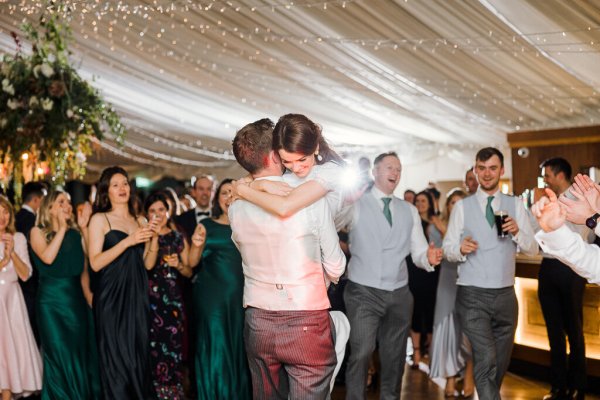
379,194
483,195
26,207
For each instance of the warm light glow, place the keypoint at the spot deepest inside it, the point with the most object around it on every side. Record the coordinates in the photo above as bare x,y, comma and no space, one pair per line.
40,171
531,328
25,156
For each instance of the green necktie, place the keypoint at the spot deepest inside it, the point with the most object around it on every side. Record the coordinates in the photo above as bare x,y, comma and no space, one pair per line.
489,211
386,209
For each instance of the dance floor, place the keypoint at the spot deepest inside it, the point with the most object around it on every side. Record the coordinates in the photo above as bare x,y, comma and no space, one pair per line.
417,386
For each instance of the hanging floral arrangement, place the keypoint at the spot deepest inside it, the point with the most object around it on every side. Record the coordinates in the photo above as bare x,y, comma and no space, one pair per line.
48,113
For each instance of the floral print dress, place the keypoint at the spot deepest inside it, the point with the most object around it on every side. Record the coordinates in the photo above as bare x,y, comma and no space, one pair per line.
166,315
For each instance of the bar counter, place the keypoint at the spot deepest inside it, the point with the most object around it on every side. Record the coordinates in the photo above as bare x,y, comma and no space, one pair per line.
531,339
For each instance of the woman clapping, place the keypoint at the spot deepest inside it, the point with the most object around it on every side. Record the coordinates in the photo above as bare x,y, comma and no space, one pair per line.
20,362
63,315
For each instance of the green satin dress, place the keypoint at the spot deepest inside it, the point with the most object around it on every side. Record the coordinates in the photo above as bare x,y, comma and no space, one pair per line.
220,359
65,324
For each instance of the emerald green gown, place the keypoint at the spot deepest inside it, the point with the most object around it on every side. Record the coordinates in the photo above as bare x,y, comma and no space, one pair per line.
220,359
66,325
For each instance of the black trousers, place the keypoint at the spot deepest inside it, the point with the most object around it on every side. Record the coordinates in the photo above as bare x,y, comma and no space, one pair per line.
560,291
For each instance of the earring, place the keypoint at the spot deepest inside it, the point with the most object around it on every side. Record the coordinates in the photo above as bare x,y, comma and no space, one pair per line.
319,157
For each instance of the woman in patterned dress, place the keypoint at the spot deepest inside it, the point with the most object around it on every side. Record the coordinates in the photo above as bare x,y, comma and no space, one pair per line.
167,263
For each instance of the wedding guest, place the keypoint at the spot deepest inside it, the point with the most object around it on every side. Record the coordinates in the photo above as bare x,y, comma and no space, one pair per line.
33,194
384,231
423,283
471,183
121,304
450,350
486,301
560,291
21,372
220,361
64,317
167,263
202,193
409,196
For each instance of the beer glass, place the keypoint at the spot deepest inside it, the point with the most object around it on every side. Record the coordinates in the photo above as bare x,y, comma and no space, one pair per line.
500,217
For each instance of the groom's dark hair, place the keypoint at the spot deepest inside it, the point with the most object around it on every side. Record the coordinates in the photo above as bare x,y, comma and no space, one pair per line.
252,144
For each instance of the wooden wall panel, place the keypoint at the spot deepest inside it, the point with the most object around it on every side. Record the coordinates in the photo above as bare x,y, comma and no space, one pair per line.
580,146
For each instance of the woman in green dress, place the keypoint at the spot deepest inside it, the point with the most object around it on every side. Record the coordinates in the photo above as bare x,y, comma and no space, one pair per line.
64,317
220,359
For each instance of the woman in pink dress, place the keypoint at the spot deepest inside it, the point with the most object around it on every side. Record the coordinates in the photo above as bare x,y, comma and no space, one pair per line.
21,371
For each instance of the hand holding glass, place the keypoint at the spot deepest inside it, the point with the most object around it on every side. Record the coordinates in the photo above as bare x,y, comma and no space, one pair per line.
500,217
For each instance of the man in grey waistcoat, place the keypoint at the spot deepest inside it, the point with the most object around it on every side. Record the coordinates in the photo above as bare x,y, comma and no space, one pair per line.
485,301
379,304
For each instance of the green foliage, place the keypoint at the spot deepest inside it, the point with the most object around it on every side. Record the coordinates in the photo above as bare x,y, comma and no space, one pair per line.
46,108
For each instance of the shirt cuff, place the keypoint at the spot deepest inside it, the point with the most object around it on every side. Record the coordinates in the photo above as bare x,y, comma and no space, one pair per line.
555,240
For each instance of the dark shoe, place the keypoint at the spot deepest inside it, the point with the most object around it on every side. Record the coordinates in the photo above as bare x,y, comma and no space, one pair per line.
575,394
556,394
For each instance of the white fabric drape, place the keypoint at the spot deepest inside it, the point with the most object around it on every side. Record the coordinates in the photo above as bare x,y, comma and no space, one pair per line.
418,77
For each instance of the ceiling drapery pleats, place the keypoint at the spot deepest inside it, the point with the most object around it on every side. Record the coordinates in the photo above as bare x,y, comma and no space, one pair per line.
419,77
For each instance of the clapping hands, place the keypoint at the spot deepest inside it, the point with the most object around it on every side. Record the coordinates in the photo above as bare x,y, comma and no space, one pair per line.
140,235
587,200
9,244
199,236
550,213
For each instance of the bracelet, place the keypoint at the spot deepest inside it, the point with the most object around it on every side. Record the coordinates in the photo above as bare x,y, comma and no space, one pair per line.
151,249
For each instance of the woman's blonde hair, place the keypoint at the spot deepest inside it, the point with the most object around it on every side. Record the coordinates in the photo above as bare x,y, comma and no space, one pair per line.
456,192
44,220
4,202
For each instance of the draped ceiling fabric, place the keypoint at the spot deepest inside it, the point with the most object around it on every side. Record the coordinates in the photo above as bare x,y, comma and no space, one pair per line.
425,78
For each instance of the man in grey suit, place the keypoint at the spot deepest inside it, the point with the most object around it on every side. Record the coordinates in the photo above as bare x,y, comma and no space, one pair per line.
485,300
379,304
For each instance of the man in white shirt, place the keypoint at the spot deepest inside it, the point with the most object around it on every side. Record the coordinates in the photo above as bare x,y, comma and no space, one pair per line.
379,305
560,291
202,192
485,301
286,261
556,239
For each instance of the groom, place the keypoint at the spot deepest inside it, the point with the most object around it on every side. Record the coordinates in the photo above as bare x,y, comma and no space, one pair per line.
287,332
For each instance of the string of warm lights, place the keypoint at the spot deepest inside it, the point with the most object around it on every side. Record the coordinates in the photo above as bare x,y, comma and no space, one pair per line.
179,145
172,159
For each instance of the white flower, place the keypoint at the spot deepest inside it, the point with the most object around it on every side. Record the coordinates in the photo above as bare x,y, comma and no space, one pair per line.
33,101
9,89
80,157
70,113
47,70
36,71
64,145
3,122
72,135
47,104
12,104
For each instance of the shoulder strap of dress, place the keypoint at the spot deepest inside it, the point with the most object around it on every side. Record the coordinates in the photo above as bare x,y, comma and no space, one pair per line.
107,220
